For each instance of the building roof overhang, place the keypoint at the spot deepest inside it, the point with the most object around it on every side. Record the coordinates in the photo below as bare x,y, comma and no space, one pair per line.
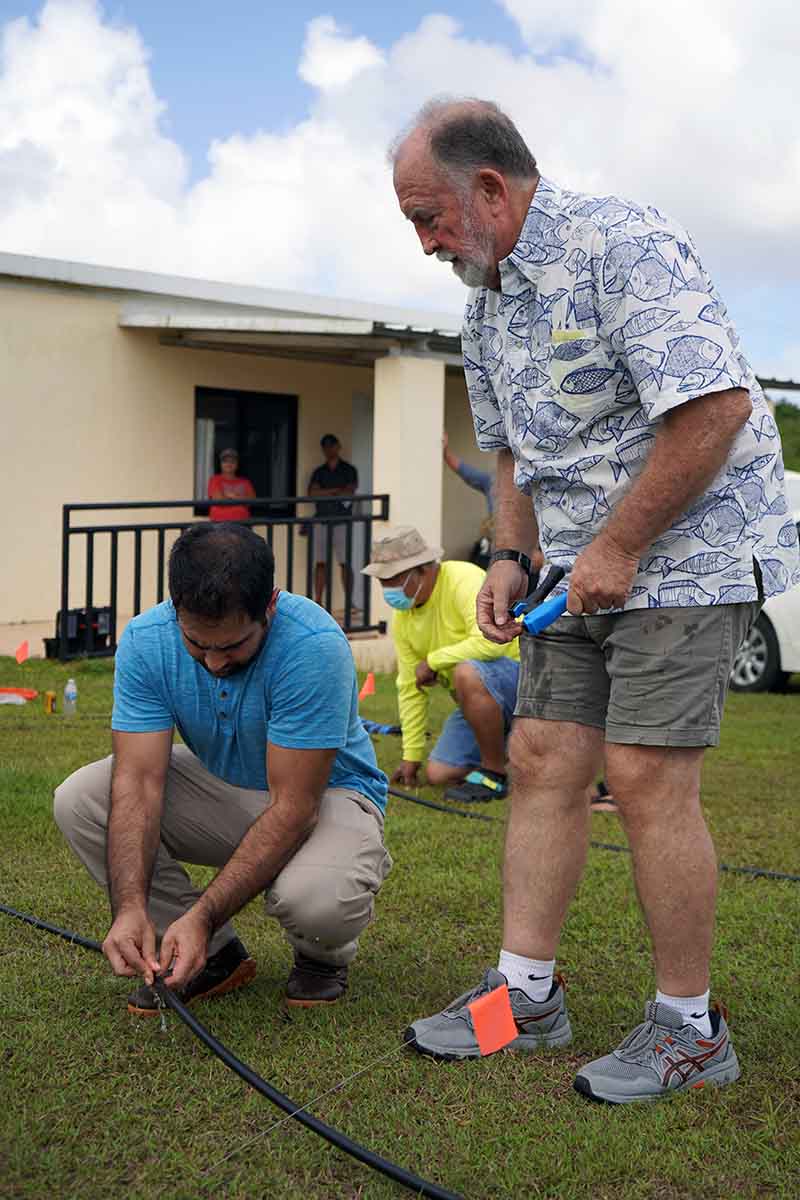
209,315
202,314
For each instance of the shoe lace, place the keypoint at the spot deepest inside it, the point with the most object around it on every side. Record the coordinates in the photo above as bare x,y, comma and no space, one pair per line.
462,1001
640,1039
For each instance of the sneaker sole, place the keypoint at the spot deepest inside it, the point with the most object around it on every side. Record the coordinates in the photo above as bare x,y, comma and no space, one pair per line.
292,1003
725,1072
241,976
525,1044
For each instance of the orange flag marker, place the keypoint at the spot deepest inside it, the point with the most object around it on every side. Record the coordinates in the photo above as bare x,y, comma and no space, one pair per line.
493,1020
368,686
22,652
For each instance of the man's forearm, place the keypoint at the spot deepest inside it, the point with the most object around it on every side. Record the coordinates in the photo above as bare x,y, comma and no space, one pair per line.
690,448
134,833
514,519
262,853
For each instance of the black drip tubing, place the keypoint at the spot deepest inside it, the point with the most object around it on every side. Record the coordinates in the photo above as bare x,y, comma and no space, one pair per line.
455,812
383,1165
756,872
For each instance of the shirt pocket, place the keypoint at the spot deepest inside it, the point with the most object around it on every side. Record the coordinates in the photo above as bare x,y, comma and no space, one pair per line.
582,371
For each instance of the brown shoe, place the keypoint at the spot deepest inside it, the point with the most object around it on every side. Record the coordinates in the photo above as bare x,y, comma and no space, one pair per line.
228,969
311,983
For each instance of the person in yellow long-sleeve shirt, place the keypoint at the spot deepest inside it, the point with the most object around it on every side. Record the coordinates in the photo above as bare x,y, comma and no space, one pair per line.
437,640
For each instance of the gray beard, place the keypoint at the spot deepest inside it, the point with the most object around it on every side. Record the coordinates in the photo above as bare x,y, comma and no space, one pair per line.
473,272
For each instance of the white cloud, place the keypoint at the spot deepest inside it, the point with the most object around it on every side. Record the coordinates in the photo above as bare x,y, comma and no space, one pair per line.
690,106
331,59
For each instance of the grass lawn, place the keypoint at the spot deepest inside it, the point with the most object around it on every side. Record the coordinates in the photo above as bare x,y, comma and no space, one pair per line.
95,1103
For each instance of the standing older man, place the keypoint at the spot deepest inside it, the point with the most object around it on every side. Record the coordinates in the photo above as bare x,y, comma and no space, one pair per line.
602,365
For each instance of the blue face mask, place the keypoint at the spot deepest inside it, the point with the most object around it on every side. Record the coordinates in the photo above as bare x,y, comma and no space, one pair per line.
397,598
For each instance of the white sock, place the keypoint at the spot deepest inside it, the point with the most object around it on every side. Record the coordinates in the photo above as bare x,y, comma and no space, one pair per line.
533,975
693,1009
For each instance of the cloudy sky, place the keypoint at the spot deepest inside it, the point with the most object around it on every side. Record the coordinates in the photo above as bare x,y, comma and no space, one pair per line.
246,142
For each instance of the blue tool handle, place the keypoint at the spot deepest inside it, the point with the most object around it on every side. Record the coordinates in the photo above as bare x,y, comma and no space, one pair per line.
544,614
543,589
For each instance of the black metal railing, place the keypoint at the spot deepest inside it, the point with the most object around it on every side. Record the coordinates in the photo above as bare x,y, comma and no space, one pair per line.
143,539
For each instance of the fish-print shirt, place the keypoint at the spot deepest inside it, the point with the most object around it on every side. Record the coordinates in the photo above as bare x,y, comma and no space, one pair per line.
606,319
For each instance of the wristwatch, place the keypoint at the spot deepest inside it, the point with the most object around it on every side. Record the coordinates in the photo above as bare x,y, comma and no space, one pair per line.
516,556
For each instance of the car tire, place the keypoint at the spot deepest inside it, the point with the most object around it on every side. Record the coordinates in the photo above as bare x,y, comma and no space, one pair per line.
757,665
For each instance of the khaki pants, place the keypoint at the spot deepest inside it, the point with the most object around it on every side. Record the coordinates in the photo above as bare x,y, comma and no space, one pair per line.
323,897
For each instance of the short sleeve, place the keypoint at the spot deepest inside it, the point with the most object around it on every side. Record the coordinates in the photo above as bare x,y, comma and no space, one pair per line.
138,705
490,431
311,696
353,475
662,315
315,477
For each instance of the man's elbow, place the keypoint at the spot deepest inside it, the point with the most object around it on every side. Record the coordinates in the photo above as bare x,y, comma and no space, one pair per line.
741,406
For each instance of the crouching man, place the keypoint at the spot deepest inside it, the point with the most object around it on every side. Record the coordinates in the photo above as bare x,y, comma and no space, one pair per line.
276,784
437,639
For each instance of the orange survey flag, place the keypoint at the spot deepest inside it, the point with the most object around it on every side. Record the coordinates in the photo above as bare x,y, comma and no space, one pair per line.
368,686
493,1020
22,651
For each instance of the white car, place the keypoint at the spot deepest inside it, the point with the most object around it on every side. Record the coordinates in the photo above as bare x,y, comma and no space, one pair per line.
771,651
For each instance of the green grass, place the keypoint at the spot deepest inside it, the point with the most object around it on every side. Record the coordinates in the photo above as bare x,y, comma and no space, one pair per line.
96,1103
788,417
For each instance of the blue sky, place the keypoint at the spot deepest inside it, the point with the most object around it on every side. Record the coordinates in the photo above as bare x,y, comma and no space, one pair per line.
234,67
247,142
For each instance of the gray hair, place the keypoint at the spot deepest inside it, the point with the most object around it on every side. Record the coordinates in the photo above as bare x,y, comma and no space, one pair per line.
466,135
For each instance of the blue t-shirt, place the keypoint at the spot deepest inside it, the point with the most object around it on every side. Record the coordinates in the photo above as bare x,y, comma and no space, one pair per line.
299,691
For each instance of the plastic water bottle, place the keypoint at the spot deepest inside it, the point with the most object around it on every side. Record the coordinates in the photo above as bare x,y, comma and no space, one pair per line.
70,698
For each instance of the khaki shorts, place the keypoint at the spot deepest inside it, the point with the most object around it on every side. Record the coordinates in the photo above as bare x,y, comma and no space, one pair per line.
649,677
319,539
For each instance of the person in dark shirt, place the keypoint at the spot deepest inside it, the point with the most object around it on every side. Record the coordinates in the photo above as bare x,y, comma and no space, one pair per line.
333,478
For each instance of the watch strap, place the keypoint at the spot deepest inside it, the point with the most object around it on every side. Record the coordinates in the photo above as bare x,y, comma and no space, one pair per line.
516,556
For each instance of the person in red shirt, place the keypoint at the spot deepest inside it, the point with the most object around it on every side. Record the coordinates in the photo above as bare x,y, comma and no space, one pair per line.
229,486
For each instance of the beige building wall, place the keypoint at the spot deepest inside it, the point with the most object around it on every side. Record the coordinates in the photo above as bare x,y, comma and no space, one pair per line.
95,412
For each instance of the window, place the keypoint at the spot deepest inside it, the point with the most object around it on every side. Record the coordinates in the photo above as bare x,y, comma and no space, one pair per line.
261,427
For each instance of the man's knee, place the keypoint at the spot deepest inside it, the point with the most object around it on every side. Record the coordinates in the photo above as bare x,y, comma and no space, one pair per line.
467,682
331,909
553,754
667,776
440,773
83,796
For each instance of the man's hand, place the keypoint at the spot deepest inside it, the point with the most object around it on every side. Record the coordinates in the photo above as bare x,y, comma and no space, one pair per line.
506,583
425,676
130,945
601,577
406,773
185,944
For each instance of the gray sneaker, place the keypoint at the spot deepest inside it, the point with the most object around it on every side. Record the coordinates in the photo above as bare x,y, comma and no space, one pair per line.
450,1035
660,1057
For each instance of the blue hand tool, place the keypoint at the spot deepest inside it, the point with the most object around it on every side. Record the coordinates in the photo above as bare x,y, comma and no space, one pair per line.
537,612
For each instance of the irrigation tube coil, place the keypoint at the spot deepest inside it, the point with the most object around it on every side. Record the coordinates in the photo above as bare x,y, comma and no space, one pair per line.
383,1165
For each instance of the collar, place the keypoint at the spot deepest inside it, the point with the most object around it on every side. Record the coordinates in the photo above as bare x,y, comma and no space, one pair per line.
537,241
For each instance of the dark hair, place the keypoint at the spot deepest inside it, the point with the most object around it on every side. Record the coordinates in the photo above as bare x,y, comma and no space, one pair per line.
217,570
466,135
328,439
